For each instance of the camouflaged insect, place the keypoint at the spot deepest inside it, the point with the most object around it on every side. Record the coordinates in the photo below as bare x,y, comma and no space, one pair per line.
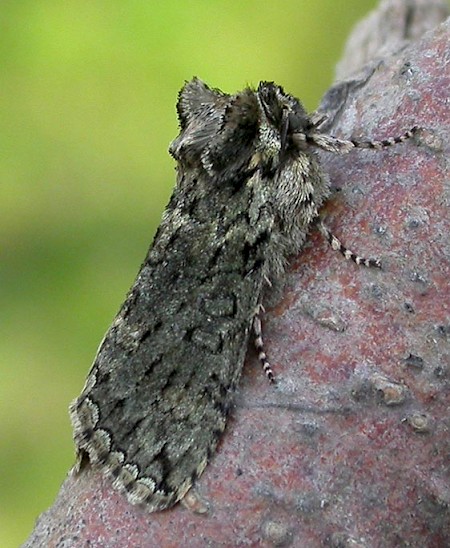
248,191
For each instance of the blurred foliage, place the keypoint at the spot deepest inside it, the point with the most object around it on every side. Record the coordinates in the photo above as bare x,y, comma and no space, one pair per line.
88,92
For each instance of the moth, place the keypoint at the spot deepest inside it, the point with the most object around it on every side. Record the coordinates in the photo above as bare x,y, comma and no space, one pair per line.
249,188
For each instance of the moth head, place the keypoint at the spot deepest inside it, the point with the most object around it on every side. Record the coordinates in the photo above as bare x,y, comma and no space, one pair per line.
283,118
228,137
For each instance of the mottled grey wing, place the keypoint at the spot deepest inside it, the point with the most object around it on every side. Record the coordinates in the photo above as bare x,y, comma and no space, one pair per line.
157,397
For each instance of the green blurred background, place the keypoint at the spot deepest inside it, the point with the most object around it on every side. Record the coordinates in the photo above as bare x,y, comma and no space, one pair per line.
87,110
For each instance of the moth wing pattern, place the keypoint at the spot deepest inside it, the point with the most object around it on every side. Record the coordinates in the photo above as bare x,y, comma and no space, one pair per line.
157,397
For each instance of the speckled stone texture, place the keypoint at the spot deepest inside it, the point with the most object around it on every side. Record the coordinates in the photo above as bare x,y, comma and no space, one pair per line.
352,448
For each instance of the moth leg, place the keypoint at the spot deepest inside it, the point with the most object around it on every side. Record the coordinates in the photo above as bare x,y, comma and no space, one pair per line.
259,344
337,245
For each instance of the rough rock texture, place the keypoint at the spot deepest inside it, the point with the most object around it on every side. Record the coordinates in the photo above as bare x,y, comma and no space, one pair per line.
352,448
388,29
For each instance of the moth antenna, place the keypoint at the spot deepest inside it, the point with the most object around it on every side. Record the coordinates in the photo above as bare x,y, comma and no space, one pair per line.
377,145
342,146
